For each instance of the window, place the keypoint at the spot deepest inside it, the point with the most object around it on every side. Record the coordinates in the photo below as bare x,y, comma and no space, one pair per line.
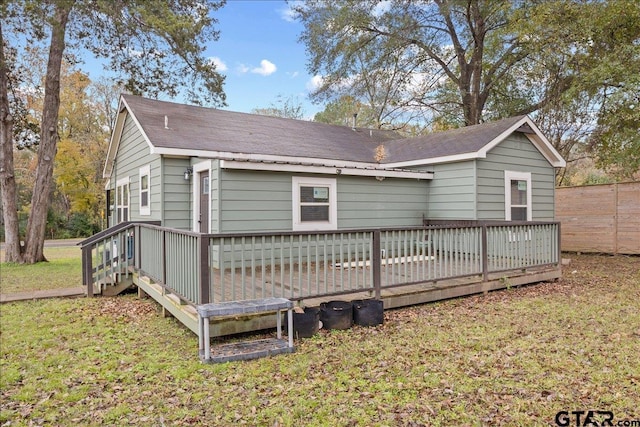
145,178
122,200
517,190
314,204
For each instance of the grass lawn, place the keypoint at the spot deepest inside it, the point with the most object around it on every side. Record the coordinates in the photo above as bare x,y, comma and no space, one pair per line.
514,357
64,270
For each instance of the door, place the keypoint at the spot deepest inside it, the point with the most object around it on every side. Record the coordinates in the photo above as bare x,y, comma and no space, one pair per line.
204,202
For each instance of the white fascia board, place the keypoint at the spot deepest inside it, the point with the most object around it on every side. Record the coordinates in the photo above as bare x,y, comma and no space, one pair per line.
114,143
116,137
435,160
135,120
537,139
326,170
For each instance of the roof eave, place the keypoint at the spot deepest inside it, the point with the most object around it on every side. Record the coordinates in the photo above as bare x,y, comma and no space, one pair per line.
373,170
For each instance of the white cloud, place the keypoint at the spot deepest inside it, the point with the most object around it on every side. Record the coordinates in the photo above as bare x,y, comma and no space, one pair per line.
266,68
287,13
242,69
314,83
220,65
293,74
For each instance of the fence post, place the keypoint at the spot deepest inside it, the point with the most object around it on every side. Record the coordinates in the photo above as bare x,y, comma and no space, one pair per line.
376,263
485,254
203,266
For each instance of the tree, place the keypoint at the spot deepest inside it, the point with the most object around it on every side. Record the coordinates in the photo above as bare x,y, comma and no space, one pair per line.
594,52
288,108
572,65
156,46
342,110
444,47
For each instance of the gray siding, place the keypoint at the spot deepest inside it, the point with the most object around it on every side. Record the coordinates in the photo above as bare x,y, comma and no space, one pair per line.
262,201
518,154
364,202
452,192
177,193
134,153
254,201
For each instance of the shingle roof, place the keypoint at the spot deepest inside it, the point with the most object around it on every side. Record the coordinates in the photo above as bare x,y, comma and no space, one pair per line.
208,129
468,139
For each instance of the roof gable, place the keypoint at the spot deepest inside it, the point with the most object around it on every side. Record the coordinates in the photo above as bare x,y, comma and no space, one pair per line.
466,143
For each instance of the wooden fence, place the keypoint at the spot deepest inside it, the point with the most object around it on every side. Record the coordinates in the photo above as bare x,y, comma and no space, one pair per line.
600,218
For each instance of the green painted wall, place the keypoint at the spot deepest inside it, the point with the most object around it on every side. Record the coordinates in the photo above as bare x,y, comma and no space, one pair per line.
262,201
364,202
134,153
452,192
177,193
518,154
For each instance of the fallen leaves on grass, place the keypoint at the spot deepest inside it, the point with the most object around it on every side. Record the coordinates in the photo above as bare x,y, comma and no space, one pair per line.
512,357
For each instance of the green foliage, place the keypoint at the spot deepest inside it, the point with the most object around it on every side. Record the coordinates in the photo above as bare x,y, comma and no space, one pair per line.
154,46
341,111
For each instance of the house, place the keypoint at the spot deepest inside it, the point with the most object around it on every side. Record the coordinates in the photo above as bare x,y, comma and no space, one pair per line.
214,206
215,171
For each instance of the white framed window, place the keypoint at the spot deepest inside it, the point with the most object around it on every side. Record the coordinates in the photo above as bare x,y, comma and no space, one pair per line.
315,203
122,200
144,190
517,196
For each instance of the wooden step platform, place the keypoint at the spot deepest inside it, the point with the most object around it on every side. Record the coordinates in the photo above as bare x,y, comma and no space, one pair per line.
244,350
247,350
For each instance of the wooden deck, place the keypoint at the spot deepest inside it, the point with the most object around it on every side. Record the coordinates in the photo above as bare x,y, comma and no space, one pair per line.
402,266
300,281
393,296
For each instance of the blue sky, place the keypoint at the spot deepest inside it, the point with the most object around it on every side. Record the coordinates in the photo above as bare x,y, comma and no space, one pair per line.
259,53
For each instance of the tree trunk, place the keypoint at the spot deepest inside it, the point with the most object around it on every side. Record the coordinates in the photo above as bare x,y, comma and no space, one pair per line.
40,199
13,250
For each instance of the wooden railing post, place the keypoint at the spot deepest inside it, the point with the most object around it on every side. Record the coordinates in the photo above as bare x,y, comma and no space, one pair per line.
87,269
164,257
137,241
376,263
559,242
203,267
485,254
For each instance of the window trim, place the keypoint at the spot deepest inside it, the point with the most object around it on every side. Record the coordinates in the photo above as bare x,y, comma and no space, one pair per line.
517,176
302,181
119,184
145,171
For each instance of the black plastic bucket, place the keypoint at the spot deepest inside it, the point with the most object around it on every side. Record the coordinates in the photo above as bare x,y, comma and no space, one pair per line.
306,324
368,312
336,314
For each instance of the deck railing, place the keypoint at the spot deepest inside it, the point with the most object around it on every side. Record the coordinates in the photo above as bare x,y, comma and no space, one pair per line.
203,268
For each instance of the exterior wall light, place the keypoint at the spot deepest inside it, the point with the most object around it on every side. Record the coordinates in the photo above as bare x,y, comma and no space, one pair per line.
187,173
